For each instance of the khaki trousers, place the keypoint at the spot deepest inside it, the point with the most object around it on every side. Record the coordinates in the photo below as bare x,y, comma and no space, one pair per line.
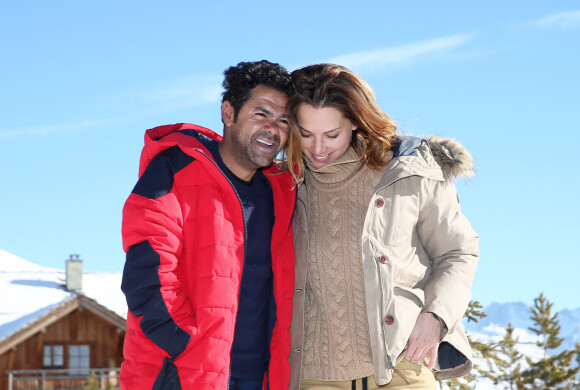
406,376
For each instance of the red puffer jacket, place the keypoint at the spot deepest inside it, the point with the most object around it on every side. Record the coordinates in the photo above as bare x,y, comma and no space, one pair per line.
183,231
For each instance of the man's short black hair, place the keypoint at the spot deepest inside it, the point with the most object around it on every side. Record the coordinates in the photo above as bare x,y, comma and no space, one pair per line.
242,78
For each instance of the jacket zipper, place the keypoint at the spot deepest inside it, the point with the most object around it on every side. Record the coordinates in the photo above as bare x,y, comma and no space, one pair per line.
389,361
244,260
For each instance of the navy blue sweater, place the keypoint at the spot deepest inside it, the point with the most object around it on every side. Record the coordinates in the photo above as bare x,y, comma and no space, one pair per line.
256,311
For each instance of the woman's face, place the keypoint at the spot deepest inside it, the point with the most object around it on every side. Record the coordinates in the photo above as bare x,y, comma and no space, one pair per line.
325,132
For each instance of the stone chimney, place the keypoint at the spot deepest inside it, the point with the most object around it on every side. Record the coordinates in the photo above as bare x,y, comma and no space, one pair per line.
74,274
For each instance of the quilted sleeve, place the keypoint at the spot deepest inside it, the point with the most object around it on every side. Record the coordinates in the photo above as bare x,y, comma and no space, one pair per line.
153,239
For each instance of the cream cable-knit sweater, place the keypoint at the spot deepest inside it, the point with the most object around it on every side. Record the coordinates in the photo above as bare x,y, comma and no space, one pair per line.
336,334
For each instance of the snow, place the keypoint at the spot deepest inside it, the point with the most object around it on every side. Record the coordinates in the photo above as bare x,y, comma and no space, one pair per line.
518,314
28,291
492,329
105,288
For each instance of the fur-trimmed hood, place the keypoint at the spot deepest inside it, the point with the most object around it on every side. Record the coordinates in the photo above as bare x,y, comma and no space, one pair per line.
454,159
435,158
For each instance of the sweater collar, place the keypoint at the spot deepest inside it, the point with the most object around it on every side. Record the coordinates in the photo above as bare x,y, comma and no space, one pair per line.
340,170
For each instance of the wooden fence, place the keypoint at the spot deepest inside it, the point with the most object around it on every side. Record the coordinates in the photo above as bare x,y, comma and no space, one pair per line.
64,379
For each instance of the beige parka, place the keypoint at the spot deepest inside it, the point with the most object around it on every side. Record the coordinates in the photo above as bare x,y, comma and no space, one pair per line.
419,254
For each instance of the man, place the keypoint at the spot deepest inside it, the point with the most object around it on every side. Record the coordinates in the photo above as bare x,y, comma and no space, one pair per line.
209,274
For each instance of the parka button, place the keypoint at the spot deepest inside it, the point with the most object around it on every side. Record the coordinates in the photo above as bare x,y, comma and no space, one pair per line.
389,320
383,259
380,202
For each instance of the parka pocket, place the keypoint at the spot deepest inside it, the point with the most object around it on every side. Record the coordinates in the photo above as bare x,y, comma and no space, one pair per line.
407,305
415,295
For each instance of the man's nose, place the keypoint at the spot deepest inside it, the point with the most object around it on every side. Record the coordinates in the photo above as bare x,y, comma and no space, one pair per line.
272,127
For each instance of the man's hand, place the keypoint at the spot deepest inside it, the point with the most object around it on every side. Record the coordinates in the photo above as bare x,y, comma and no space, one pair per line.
424,340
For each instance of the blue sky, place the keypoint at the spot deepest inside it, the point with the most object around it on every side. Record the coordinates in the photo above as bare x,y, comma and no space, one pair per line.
81,81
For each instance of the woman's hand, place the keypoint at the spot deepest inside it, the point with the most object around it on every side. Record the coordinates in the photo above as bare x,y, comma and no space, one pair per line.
424,340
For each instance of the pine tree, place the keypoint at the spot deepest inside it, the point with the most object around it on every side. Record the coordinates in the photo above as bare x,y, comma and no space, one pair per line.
553,370
473,313
489,355
92,382
577,352
467,382
509,367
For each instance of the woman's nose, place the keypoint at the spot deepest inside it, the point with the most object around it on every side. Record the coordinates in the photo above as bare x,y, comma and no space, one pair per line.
318,147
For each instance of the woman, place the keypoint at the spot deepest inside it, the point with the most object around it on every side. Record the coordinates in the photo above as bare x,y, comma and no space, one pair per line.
385,259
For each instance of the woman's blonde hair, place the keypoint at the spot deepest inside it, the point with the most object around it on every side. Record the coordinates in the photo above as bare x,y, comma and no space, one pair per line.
330,85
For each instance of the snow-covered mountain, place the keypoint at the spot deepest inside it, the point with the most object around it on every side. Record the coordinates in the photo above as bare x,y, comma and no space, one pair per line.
518,314
491,329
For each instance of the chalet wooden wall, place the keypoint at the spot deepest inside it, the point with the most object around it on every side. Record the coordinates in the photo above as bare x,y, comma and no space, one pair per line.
80,326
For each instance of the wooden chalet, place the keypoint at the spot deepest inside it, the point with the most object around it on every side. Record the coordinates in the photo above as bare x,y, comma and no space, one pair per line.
75,343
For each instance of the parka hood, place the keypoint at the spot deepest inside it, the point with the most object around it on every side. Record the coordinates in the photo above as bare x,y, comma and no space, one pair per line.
187,136
192,140
454,159
434,157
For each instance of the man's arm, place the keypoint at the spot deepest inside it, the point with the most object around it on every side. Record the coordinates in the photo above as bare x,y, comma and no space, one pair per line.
153,239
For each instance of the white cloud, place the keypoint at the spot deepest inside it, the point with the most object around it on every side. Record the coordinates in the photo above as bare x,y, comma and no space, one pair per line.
191,91
562,20
179,94
51,129
401,54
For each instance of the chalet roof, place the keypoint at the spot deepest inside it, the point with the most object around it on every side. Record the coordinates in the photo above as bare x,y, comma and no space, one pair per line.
32,297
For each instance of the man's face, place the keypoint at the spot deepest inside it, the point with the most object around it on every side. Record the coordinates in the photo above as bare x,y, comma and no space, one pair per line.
258,135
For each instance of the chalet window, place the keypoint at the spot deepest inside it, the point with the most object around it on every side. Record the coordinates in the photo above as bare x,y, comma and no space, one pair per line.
53,356
79,356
